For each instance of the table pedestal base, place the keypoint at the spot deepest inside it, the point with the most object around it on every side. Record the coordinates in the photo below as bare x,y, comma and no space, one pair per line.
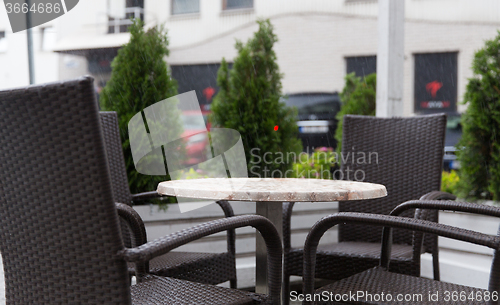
272,210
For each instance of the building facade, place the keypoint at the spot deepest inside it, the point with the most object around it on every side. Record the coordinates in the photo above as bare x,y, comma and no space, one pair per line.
320,41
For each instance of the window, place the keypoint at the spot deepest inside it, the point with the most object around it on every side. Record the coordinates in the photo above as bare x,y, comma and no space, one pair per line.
120,13
99,61
49,37
237,4
201,78
185,7
3,42
134,9
361,65
435,82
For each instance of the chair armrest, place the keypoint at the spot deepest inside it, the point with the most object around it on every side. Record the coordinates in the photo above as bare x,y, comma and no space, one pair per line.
418,239
422,212
426,205
137,228
447,205
145,196
169,242
438,195
424,226
134,221
225,206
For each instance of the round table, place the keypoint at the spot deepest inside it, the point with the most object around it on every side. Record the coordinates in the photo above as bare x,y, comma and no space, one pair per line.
269,195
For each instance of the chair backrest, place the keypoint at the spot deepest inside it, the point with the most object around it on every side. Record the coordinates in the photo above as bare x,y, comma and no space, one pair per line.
114,149
59,232
118,172
404,154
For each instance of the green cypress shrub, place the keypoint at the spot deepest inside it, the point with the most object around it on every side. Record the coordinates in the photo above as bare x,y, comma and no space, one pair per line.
139,78
358,97
249,102
479,147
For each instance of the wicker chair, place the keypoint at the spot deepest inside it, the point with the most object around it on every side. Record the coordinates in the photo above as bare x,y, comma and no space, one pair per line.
207,268
59,231
379,279
410,155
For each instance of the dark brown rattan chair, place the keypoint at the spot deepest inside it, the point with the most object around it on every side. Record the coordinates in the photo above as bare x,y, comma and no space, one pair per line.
379,279
207,268
408,161
59,231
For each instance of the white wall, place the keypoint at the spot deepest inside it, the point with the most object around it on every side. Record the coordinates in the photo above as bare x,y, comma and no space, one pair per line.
312,48
14,62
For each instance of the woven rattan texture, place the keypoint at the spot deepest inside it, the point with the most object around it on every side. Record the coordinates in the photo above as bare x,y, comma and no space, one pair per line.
410,156
405,155
382,281
118,172
355,257
174,240
59,228
208,268
119,180
59,231
376,280
158,290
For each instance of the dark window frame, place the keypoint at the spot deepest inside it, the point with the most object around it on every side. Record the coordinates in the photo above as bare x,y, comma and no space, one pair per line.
453,106
361,57
125,22
198,77
181,14
225,8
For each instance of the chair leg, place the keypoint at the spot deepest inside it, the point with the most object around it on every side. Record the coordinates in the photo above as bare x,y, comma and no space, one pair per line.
285,299
233,283
435,265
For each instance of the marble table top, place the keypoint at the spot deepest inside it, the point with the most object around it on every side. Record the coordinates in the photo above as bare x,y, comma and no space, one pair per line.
271,189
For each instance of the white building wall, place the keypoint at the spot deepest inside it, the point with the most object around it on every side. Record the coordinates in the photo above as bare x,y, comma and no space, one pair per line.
314,37
312,48
14,62
427,37
88,16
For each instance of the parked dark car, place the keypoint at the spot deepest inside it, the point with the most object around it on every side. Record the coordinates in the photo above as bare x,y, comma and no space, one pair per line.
316,120
453,135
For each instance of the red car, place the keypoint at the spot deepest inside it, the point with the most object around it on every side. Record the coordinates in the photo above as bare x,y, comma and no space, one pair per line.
195,134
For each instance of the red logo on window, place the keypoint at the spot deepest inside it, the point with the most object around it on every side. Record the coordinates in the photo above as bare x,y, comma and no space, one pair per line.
433,87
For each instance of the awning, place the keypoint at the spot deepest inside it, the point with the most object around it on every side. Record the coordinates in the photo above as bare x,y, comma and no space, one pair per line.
87,44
